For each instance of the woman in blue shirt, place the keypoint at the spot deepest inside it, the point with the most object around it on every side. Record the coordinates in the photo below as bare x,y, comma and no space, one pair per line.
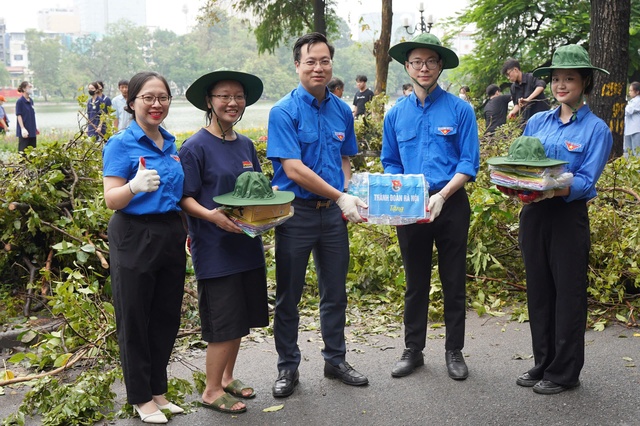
554,228
97,105
143,182
26,114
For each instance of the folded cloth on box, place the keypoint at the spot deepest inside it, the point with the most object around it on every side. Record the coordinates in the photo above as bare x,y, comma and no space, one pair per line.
253,229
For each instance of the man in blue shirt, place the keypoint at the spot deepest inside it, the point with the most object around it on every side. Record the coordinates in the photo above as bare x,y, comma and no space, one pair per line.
311,137
434,133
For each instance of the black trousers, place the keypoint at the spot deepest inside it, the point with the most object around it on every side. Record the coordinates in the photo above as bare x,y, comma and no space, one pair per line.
25,142
555,242
148,263
449,232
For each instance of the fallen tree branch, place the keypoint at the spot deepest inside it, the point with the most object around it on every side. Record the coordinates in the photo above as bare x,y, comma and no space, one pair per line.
625,190
72,360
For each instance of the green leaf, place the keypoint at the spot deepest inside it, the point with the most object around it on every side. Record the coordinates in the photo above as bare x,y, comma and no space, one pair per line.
273,408
62,360
28,336
17,357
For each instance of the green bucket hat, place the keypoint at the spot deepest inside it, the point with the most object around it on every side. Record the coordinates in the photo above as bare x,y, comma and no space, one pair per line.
197,92
570,56
254,189
526,151
400,51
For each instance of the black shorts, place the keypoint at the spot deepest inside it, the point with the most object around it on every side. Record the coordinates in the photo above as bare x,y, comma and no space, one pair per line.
231,305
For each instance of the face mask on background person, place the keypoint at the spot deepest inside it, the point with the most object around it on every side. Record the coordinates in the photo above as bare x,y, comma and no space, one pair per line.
92,92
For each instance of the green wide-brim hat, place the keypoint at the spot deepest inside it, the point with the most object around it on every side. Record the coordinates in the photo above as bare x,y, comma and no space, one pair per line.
526,151
197,92
400,51
253,189
570,56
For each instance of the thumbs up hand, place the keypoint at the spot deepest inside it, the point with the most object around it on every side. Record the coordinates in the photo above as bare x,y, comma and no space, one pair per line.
145,180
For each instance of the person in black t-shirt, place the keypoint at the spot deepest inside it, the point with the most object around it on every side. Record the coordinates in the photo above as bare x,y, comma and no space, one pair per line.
495,109
362,96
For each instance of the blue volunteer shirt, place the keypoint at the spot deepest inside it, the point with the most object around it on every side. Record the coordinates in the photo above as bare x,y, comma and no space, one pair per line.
120,156
584,142
437,140
318,135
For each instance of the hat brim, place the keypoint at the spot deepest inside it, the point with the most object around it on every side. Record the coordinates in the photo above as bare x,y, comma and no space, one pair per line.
539,72
399,53
197,92
281,197
502,161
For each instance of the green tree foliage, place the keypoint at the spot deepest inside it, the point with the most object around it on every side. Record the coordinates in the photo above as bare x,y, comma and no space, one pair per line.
45,58
279,21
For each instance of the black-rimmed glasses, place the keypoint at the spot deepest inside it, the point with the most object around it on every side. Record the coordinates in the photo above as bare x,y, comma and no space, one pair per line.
431,64
150,100
228,98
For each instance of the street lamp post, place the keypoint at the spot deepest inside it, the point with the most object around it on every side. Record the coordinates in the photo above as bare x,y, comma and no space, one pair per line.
423,26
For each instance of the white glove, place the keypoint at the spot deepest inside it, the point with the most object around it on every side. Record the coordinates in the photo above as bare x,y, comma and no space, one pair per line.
436,201
25,133
549,193
349,205
145,180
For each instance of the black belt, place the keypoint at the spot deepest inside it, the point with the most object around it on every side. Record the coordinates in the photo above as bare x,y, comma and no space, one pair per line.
315,203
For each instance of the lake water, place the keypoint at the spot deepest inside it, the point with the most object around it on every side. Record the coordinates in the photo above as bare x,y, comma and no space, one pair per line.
183,117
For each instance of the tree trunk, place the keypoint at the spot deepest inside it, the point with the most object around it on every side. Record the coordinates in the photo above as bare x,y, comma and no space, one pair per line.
609,49
381,49
319,21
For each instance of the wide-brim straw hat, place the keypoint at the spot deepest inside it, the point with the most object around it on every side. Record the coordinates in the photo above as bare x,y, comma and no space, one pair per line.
400,51
526,151
197,92
570,56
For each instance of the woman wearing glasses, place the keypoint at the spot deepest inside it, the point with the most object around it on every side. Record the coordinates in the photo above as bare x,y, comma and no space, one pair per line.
229,265
143,182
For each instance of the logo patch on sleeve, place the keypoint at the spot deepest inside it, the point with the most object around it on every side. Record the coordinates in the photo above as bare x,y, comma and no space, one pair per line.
247,165
445,130
339,135
571,146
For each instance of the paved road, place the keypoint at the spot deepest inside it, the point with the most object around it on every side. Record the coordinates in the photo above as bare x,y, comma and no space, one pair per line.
496,351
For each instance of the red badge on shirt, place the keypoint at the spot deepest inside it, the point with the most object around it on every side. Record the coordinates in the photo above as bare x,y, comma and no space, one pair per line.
339,135
445,130
247,165
572,146
175,157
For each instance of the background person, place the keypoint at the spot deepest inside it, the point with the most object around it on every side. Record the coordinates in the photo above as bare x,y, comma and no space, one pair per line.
336,86
97,105
229,265
311,137
465,93
632,121
527,92
495,109
4,120
407,89
433,133
123,118
554,229
362,96
26,117
143,182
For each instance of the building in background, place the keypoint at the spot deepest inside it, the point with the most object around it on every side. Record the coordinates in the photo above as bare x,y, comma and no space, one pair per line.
96,15
59,20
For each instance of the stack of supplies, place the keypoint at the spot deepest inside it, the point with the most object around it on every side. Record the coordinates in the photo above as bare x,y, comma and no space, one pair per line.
527,167
254,206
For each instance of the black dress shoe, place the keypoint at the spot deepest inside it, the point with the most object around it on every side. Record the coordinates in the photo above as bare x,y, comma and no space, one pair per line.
410,359
526,380
456,366
547,387
286,383
346,373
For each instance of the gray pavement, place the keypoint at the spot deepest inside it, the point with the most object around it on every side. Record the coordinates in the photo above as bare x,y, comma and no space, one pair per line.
497,351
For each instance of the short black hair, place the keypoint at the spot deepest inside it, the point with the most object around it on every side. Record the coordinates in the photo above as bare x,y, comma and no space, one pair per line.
407,86
635,85
492,89
361,77
310,39
510,63
335,83
123,83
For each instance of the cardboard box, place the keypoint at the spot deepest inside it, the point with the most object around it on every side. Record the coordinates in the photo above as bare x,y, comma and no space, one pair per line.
256,213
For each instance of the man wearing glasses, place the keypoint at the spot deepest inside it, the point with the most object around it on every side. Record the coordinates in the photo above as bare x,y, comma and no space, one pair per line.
311,138
434,133
527,92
